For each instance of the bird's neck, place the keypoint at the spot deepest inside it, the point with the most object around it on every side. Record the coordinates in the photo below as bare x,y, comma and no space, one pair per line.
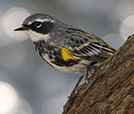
37,37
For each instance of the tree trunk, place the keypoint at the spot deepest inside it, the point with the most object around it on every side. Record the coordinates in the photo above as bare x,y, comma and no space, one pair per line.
110,90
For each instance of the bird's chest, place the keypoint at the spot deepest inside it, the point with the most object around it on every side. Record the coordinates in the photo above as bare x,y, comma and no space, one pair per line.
54,55
47,52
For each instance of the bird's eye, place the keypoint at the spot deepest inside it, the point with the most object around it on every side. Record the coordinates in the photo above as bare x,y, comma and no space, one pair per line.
38,24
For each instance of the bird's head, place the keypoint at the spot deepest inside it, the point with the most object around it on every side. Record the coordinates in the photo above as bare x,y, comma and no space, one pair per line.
39,26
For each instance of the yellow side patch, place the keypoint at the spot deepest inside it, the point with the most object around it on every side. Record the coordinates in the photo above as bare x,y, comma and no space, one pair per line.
66,55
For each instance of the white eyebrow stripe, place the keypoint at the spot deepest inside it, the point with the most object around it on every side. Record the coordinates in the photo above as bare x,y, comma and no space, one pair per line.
41,20
45,20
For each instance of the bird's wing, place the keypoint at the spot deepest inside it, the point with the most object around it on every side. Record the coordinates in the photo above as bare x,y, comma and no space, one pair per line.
83,44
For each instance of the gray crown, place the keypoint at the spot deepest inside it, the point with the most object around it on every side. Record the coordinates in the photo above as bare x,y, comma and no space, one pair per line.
36,16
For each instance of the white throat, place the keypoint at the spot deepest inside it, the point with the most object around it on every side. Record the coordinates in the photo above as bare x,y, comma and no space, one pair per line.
34,36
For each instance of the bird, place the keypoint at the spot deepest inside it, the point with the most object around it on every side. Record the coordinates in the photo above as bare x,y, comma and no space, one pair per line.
66,47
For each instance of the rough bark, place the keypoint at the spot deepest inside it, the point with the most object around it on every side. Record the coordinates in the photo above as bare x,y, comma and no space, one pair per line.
110,90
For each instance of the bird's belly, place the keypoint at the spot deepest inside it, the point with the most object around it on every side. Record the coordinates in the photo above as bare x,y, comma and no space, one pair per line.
81,66
75,68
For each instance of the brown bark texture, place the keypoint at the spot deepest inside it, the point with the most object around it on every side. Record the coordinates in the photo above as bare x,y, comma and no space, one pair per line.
110,90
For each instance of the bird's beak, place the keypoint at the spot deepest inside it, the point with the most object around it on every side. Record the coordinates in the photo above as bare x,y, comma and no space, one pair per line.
21,28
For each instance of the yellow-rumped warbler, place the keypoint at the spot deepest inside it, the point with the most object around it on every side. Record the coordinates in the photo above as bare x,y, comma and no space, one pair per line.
65,47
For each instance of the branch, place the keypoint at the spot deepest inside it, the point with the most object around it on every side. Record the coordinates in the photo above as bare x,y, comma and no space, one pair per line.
111,87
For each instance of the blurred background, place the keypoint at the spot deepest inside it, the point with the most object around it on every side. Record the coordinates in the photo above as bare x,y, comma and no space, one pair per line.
28,85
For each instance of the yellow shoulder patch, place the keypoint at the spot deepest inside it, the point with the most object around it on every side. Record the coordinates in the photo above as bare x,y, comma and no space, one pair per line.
66,55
